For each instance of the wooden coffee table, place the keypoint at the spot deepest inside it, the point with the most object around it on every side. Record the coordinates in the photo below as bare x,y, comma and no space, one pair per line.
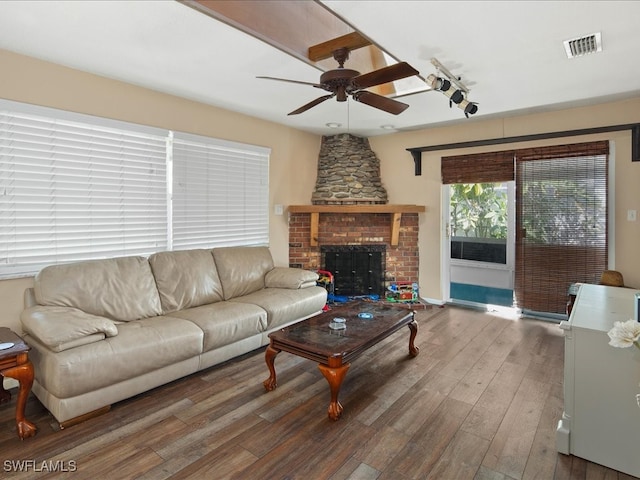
335,349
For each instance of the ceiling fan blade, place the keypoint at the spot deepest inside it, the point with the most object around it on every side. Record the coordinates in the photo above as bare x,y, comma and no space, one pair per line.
378,101
309,105
384,75
292,81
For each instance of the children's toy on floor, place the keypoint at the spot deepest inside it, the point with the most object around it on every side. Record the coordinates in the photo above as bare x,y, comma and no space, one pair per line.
325,279
405,292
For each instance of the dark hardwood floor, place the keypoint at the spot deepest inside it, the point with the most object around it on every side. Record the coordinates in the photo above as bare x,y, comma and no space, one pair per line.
481,401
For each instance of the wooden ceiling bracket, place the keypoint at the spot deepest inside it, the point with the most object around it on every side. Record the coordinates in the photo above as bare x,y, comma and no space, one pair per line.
417,162
350,41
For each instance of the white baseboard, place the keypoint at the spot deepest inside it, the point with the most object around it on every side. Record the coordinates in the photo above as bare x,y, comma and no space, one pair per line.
434,301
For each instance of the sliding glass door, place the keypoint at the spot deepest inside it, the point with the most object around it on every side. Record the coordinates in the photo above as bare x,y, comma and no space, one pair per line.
555,224
481,241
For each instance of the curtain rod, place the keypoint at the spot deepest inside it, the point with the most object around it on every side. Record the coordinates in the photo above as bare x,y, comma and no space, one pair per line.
416,152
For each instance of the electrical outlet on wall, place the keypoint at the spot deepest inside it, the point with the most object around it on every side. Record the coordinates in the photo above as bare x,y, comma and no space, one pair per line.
631,216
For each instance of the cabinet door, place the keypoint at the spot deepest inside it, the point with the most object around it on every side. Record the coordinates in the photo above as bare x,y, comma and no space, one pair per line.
606,418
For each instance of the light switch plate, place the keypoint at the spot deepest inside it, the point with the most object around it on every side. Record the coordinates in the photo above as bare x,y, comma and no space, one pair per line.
631,215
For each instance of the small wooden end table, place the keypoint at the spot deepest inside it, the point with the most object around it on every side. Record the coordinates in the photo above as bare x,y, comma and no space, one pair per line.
14,363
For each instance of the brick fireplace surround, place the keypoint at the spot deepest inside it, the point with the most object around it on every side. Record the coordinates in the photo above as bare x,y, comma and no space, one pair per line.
356,212
356,229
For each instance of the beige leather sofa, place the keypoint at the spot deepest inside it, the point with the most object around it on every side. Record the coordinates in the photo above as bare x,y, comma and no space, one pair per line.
105,330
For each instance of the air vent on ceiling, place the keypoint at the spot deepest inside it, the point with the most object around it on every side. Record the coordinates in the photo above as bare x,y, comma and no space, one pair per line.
584,45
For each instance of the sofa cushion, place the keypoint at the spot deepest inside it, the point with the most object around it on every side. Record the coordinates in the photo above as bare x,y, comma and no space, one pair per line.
185,279
224,323
284,305
242,269
119,288
140,347
284,277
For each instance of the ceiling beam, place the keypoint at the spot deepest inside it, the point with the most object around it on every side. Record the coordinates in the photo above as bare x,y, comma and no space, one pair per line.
290,26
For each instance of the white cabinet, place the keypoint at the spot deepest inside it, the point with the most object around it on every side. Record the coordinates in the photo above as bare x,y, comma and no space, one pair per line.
601,418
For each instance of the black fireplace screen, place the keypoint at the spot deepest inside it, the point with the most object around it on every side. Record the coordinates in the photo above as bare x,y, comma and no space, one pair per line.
356,269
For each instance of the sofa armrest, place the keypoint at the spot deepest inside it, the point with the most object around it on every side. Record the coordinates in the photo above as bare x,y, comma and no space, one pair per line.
293,278
61,328
29,298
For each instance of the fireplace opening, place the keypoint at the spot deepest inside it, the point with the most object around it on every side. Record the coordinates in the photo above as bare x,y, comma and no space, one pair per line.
357,269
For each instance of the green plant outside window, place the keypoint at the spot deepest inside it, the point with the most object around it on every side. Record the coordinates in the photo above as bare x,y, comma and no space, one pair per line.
479,210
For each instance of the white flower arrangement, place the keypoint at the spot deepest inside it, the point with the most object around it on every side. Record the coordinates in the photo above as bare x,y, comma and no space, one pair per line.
625,334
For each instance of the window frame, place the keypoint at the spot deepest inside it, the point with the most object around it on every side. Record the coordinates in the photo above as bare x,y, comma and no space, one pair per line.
10,269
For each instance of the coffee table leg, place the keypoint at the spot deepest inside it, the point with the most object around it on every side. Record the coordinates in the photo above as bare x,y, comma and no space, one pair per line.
335,376
24,374
413,350
270,357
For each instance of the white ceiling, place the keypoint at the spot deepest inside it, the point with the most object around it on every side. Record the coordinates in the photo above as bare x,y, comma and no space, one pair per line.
509,53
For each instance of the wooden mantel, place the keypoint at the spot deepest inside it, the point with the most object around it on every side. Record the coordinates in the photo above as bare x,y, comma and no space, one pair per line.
396,212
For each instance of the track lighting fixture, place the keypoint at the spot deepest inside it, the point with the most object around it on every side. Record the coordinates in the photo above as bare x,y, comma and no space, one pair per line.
455,94
452,88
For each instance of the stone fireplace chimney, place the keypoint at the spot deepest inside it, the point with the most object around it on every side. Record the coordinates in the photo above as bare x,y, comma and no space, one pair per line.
348,172
350,227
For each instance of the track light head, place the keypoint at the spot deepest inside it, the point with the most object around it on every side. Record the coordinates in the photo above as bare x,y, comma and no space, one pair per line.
456,97
438,83
471,108
442,84
468,107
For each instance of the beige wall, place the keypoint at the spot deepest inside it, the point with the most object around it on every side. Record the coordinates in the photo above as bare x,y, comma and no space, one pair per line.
403,187
294,155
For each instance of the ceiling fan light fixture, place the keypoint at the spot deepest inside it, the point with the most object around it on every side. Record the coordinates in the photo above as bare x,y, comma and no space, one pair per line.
343,82
341,94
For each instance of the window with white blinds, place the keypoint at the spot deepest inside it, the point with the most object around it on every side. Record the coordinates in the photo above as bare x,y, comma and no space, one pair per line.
74,187
220,193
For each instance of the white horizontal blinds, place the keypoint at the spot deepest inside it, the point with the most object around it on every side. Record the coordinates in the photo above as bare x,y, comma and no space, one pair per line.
220,193
74,191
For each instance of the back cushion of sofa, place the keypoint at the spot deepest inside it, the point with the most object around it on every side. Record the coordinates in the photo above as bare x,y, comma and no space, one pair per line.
242,269
117,288
186,279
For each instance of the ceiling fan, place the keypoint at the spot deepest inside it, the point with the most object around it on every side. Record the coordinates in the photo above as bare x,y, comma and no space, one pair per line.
343,82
